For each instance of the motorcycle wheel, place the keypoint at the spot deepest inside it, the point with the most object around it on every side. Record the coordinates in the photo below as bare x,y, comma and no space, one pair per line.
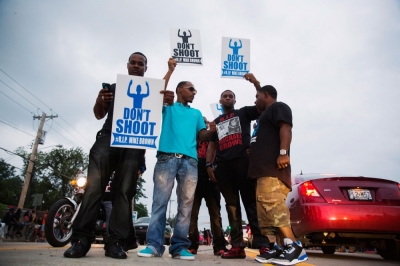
58,228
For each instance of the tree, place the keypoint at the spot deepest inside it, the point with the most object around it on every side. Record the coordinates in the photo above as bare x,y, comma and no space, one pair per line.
140,207
10,184
52,173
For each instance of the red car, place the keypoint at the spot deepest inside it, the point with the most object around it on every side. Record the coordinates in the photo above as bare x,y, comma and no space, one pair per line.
329,210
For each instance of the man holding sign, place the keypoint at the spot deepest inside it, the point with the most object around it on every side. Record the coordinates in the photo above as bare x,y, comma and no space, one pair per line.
103,160
176,158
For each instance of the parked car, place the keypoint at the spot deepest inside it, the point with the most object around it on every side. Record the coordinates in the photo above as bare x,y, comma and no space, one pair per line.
142,224
328,210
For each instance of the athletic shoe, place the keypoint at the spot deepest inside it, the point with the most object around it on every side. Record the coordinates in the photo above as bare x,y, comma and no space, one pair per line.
193,251
220,252
146,253
184,254
269,255
234,253
293,253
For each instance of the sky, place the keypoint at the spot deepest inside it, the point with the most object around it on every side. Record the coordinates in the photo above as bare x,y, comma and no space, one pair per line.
335,63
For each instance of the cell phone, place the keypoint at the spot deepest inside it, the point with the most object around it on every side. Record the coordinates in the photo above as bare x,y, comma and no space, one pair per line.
106,86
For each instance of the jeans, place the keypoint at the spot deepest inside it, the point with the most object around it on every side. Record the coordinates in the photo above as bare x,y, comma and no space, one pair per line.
103,160
232,179
210,192
167,168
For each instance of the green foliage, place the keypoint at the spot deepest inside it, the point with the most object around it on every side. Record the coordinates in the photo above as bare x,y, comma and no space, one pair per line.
141,209
10,184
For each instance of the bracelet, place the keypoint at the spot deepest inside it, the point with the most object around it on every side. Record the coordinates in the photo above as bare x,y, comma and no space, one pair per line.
208,164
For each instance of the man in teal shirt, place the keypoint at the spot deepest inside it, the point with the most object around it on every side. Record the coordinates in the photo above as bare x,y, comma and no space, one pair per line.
176,158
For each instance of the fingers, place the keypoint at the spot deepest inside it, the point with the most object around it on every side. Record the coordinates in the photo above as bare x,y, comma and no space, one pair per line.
212,126
168,97
105,96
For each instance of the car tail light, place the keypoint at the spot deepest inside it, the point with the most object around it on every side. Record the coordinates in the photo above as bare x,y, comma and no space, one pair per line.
398,185
310,193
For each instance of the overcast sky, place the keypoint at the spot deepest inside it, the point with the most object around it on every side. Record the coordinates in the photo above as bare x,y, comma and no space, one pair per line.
335,63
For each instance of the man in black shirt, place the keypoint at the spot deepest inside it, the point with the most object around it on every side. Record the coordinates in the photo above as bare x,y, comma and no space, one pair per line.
270,166
208,190
103,160
230,146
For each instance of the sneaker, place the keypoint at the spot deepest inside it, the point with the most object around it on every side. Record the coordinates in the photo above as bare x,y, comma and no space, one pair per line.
293,253
193,251
146,253
267,254
234,253
220,252
184,254
78,249
115,251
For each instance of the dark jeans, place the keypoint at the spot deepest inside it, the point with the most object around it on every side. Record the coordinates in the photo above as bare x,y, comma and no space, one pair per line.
232,179
103,160
210,192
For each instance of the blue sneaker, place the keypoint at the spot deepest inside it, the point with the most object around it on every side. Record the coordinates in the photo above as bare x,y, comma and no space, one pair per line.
146,253
184,254
293,253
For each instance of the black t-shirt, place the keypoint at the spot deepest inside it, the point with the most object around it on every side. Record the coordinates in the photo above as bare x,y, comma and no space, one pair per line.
108,123
265,144
232,138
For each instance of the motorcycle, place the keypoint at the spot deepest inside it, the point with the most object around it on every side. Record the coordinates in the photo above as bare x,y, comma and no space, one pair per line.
61,216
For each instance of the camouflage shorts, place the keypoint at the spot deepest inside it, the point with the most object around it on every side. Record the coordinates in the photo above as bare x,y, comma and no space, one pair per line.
271,207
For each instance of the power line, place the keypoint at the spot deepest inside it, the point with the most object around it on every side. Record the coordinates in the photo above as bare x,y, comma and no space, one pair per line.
63,137
15,102
71,134
41,102
17,129
24,88
19,94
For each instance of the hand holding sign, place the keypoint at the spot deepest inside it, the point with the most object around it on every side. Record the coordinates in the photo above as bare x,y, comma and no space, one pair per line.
104,97
250,77
168,97
171,64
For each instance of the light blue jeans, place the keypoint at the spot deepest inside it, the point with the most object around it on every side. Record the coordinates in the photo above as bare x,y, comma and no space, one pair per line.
167,168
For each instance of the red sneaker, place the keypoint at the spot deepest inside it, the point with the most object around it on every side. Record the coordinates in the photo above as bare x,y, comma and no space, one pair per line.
263,250
193,251
234,253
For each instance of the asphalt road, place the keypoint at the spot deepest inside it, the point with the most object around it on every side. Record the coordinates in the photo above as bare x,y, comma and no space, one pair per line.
20,253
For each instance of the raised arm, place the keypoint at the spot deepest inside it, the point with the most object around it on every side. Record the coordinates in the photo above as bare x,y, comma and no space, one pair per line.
179,32
190,34
129,89
171,68
148,89
252,79
240,44
230,41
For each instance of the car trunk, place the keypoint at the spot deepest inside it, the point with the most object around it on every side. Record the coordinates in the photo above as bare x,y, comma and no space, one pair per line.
358,191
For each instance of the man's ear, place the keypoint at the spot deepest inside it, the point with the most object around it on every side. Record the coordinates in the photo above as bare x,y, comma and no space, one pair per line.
145,69
220,101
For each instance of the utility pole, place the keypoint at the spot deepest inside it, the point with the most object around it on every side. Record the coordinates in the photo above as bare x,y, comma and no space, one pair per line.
32,159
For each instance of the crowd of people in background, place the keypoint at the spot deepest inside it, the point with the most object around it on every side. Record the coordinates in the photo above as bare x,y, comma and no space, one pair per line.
29,226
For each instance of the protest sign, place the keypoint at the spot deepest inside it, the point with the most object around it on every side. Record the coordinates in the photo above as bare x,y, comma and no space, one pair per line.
186,47
216,109
235,57
137,112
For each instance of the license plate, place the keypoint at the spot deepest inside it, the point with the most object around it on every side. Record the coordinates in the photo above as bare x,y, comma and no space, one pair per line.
359,194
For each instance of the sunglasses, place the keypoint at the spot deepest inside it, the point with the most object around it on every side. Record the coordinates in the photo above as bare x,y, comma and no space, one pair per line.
191,89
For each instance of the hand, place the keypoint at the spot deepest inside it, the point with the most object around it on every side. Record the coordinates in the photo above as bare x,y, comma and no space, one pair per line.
171,64
210,172
283,161
104,97
168,97
139,173
250,77
212,126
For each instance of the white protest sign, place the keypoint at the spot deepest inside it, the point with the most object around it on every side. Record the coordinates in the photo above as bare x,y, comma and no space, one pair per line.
235,57
137,112
216,109
186,47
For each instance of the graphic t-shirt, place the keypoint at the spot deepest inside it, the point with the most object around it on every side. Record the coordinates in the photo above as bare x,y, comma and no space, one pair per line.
232,138
265,144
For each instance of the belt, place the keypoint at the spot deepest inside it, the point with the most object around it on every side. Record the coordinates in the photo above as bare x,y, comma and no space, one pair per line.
176,155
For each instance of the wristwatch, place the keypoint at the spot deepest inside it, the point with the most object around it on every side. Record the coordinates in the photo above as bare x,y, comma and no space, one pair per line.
282,152
208,164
